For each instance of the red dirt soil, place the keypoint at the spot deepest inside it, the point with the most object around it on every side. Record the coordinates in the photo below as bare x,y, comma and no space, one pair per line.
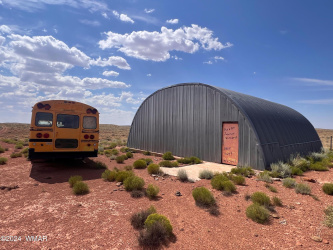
44,205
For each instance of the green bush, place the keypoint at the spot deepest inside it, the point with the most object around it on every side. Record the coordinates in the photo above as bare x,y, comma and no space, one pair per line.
317,157
328,216
153,218
228,187
15,155
19,146
277,201
153,169
191,160
113,145
168,156
296,171
320,165
100,165
328,188
120,159
182,175
261,198
271,188
80,188
146,153
129,155
203,197
264,176
114,151
152,191
74,179
2,150
134,183
140,164
206,174
302,188
257,213
108,175
281,169
147,160
217,181
244,171
169,164
299,162
3,160
128,168
289,183
121,176
238,179
124,149
138,219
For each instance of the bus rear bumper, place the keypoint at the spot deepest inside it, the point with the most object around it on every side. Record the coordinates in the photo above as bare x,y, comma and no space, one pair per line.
59,155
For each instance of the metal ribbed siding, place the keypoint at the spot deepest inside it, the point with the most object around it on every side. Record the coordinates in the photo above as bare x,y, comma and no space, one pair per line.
186,119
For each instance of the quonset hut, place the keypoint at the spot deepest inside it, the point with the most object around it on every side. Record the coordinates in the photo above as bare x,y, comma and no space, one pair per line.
220,125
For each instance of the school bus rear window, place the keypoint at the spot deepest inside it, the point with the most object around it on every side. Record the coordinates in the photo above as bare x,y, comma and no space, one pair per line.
43,119
67,121
89,122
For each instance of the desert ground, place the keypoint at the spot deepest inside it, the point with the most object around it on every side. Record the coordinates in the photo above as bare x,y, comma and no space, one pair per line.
36,200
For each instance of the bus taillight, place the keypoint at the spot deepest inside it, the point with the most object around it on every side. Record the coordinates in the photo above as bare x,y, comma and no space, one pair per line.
40,105
94,111
46,135
89,111
92,137
86,137
39,135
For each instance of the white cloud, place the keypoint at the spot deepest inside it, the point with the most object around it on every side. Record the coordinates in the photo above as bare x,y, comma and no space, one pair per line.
90,23
156,46
110,73
148,75
172,21
218,58
208,62
314,81
5,29
105,15
111,61
148,11
125,18
177,58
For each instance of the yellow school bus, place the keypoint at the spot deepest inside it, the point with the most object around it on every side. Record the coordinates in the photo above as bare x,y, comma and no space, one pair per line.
63,129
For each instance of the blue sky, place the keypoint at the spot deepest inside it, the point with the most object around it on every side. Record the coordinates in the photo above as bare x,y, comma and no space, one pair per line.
113,54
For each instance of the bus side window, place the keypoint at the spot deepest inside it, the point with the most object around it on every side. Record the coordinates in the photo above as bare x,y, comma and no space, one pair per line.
89,122
44,119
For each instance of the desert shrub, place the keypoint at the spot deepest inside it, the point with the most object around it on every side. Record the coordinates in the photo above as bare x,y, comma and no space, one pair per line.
140,164
182,175
152,191
108,175
113,157
289,182
203,197
153,169
121,176
238,179
114,151
168,156
138,219
320,165
245,171
264,176
74,179
147,160
302,188
189,160
271,188
19,146
228,187
25,151
281,169
317,156
153,237
120,159
137,194
80,188
113,145
257,213
146,153
128,168
328,188
134,183
169,164
206,174
3,160
129,154
261,198
296,171
2,150
100,165
299,162
277,201
153,218
328,216
124,149
15,155
217,181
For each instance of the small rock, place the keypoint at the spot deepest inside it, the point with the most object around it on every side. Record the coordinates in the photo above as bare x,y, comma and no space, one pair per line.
163,178
309,179
154,175
115,189
291,207
256,235
156,179
163,194
283,222
208,231
298,203
121,189
276,179
275,216
238,210
325,242
178,193
298,244
182,229
36,184
317,238
119,184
